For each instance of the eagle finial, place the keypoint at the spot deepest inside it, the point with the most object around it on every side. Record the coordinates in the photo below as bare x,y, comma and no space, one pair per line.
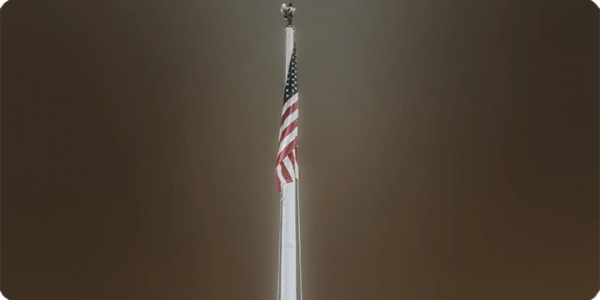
288,12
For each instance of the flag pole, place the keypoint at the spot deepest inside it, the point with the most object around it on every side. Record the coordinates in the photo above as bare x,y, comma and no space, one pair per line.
288,286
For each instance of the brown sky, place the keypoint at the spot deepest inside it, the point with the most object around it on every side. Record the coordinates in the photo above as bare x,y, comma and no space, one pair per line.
448,149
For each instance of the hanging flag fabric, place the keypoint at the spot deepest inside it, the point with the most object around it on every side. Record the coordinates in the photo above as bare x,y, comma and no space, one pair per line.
286,169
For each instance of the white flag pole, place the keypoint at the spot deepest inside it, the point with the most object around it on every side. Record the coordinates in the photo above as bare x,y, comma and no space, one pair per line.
288,264
288,279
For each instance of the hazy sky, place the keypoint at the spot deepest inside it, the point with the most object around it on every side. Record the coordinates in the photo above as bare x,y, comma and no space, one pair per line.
448,149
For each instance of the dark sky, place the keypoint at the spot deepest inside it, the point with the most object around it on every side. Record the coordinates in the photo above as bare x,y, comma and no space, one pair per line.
448,149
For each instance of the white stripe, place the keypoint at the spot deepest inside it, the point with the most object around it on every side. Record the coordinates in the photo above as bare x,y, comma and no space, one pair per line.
289,103
288,139
289,167
289,120
281,178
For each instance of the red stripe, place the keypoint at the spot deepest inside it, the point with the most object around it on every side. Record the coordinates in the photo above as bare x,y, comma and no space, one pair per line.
289,111
286,174
287,130
291,157
296,166
285,151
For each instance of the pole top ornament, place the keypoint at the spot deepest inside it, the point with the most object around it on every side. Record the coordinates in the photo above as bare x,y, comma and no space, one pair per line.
288,12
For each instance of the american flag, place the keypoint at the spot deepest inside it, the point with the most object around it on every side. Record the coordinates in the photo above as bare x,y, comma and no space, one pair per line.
286,170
